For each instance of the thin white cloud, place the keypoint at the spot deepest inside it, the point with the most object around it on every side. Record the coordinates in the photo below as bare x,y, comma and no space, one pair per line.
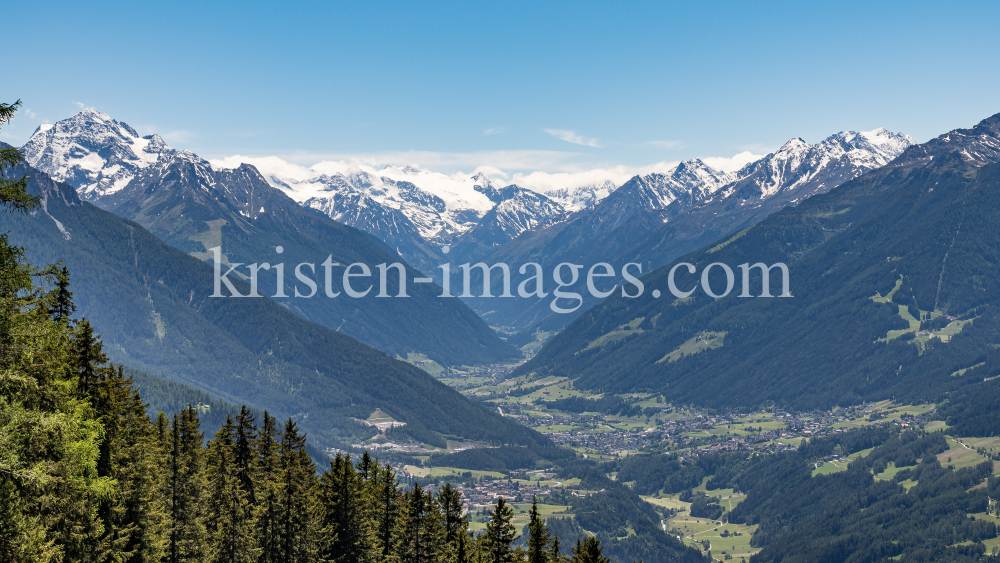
448,162
494,131
267,165
733,163
541,181
571,137
537,170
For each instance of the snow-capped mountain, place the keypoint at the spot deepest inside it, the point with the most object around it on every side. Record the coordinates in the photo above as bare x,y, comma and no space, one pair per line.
574,199
439,206
517,210
474,213
93,152
655,218
804,170
687,184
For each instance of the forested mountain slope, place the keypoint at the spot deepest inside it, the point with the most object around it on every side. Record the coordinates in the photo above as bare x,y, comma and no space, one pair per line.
150,302
894,285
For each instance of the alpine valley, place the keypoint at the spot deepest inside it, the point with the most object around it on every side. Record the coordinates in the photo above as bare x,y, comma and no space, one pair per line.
809,372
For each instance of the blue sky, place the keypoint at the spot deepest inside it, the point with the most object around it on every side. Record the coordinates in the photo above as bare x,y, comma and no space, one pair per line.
520,86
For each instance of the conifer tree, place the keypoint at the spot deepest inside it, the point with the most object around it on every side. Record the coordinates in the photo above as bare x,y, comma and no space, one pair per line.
455,524
14,194
296,511
62,307
229,511
555,556
501,534
589,551
386,508
462,553
188,536
538,536
266,511
89,356
366,466
134,516
422,534
346,526
244,453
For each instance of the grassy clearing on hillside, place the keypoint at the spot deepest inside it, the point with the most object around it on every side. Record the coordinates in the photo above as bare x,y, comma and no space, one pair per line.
695,531
830,467
699,343
532,348
962,453
424,363
890,471
622,332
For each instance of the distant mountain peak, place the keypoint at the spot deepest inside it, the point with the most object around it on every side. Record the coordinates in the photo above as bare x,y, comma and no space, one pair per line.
93,152
979,145
792,144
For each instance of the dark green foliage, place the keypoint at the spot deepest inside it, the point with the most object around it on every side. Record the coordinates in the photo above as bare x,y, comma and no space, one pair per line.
652,473
13,192
386,509
296,486
589,551
344,518
230,507
63,307
456,526
851,515
501,534
821,347
539,537
188,536
972,410
134,516
702,506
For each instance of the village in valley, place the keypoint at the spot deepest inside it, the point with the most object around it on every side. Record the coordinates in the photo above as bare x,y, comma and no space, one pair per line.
639,423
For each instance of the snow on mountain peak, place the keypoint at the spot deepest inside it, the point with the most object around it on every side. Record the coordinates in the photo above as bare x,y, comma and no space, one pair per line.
93,152
834,160
793,145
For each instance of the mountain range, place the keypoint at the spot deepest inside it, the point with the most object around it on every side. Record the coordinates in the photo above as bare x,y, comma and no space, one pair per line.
652,219
892,283
195,207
